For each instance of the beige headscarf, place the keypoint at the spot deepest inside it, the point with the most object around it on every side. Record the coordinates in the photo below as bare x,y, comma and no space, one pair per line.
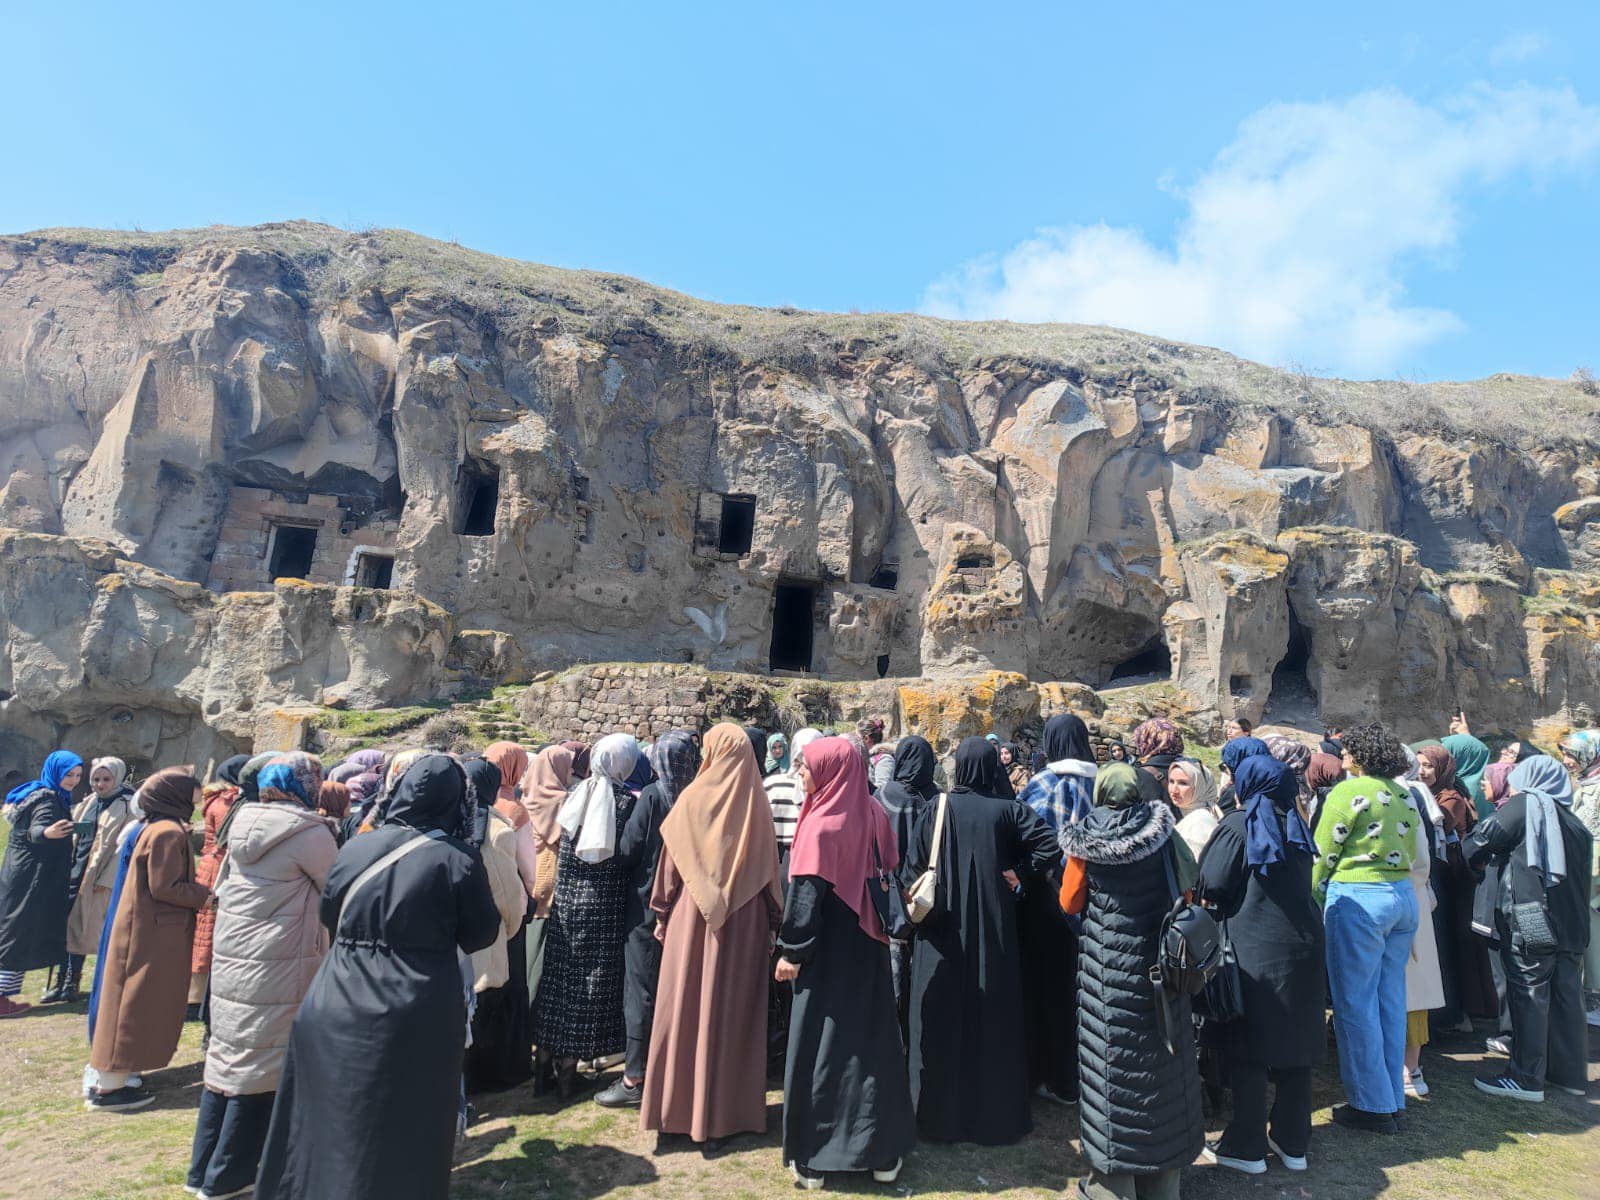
720,832
544,790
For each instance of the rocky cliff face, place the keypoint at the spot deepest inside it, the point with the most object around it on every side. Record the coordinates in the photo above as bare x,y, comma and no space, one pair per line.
579,467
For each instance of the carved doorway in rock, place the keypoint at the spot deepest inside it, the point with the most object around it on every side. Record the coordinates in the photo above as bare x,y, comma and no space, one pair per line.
1292,700
793,609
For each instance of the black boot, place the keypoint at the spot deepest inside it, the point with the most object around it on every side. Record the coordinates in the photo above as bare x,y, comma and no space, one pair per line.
544,1076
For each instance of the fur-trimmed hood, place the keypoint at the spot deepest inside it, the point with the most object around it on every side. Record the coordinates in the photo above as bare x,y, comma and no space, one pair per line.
1074,766
1116,836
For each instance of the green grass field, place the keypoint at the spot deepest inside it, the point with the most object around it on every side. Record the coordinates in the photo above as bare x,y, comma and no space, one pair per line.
1460,1145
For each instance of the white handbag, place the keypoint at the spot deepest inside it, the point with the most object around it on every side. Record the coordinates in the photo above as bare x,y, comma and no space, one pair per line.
924,893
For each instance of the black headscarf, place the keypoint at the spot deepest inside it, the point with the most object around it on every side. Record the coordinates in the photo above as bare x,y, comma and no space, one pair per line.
758,743
228,772
483,785
431,795
1066,736
978,769
914,765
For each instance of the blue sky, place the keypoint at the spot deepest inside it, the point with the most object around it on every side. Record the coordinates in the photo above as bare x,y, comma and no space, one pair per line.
1372,189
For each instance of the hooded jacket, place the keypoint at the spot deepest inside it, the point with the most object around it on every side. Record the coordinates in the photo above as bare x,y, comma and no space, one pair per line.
267,943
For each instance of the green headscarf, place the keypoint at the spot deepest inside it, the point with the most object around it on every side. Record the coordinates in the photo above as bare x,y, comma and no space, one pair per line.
1472,758
1116,785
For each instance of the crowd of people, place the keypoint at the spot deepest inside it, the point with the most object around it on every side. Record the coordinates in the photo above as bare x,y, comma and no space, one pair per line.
920,951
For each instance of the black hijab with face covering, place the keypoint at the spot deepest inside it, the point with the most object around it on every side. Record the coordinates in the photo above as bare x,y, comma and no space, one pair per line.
978,769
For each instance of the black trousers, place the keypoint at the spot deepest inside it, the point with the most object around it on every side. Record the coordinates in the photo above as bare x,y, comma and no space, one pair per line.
643,972
1549,1036
228,1139
1246,1135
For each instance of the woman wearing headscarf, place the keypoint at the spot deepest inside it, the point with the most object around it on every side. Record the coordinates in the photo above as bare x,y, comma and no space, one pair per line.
1580,753
777,758
1545,856
1469,989
266,947
1192,792
968,1047
333,801
909,789
785,794
216,801
1297,755
499,1055
580,752
34,877
544,791
716,898
146,975
94,868
1156,743
758,742
1015,764
1471,758
1366,845
1234,752
1061,794
846,1106
1424,978
674,760
1323,774
367,1103
1256,873
577,1015
1140,1116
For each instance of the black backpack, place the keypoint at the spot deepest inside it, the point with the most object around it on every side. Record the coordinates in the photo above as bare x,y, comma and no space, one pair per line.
1188,952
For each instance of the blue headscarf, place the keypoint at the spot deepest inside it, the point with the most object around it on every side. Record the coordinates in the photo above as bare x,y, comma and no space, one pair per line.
1266,787
1236,750
281,777
55,769
639,778
1544,783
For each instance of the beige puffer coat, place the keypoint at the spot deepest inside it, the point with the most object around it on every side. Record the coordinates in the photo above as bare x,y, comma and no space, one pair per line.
268,942
491,967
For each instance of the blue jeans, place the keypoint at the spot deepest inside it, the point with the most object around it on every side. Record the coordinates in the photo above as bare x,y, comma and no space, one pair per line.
1369,931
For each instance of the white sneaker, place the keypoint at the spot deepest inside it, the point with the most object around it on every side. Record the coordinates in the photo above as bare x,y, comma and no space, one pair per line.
1245,1166
810,1180
1499,1044
891,1174
1416,1085
1288,1160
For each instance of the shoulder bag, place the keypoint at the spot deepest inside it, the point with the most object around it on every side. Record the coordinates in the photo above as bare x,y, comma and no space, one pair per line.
924,893
886,898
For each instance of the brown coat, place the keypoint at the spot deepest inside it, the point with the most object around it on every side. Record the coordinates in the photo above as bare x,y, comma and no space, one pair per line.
145,984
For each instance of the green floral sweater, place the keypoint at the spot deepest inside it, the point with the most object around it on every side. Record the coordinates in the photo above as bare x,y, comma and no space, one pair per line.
1366,834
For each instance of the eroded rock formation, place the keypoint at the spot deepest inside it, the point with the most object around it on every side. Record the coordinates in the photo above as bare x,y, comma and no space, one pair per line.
574,467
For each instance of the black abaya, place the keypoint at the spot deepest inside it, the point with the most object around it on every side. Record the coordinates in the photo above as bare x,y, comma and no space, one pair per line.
846,1106
501,1054
969,1064
371,1083
34,889
638,852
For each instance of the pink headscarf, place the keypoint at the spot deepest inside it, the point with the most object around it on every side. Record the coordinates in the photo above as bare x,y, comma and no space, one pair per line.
1495,785
839,823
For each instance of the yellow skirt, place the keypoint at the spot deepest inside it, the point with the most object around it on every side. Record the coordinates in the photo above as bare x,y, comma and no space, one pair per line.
1416,1029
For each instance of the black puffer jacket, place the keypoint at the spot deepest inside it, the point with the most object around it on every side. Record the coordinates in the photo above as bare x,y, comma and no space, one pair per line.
34,896
1139,1104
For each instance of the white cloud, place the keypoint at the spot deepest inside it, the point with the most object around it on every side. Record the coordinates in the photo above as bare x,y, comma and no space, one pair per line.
1517,48
1297,236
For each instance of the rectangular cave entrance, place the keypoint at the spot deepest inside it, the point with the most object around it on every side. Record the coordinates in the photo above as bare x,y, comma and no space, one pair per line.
738,526
293,547
480,497
793,605
374,570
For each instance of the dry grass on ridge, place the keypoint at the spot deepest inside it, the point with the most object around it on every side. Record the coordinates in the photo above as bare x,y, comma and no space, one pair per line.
1461,1145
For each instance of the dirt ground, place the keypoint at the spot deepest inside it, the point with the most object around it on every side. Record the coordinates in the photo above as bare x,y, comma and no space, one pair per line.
1461,1145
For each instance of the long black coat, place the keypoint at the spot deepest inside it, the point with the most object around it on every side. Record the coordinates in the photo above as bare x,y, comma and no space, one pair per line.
367,1105
1276,929
1498,839
969,1059
638,853
846,1106
35,888
1139,1103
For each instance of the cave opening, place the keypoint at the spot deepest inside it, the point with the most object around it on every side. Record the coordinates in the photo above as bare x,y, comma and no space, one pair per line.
293,548
1151,661
1291,685
374,570
737,529
793,608
480,497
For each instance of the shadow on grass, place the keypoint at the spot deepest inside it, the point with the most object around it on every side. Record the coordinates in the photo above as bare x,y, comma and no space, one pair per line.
548,1169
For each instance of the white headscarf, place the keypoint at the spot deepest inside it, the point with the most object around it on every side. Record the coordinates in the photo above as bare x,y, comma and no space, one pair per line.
589,813
116,766
798,743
